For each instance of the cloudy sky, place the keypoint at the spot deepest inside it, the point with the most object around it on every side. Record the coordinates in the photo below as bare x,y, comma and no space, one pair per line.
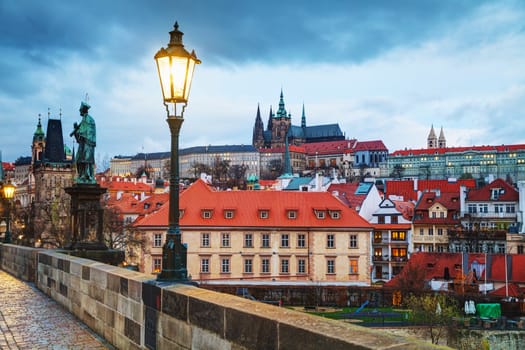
381,69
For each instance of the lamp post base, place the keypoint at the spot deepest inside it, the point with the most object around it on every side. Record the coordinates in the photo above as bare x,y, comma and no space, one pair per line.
174,255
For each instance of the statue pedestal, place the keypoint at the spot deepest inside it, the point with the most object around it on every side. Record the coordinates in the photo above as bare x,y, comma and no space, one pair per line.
87,217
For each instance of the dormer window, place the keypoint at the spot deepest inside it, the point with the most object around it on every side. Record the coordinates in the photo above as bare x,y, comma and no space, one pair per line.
335,214
228,214
206,214
320,214
292,214
263,214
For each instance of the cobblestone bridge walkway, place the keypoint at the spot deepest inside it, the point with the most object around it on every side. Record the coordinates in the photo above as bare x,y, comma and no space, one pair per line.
31,320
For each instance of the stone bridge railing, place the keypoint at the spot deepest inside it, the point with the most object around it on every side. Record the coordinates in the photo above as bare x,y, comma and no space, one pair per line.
132,311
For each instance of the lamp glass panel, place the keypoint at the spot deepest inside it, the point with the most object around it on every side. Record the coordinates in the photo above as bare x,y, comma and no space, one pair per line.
179,66
9,191
163,65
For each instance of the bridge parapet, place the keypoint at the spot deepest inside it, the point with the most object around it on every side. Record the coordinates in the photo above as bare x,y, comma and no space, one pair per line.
132,311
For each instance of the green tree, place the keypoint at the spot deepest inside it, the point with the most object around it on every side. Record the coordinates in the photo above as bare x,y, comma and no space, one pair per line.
397,172
199,168
434,312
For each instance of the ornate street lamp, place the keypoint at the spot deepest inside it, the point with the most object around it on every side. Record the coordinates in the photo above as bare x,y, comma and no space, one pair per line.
8,192
175,66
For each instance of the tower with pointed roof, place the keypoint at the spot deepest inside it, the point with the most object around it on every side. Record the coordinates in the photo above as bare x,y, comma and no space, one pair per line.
258,131
280,125
442,142
432,140
52,172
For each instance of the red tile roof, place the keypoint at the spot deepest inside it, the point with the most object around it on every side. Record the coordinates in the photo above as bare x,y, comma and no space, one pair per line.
247,204
434,265
329,147
429,151
485,193
406,189
376,145
346,193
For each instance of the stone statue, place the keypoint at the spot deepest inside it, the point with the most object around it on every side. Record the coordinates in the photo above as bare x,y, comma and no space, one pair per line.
85,134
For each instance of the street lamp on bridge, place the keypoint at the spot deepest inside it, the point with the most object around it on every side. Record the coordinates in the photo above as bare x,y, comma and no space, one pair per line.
8,193
175,66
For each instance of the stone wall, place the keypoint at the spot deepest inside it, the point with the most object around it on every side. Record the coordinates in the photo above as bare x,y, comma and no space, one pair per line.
131,311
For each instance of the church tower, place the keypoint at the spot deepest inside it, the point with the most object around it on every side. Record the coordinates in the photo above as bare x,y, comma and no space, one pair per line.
432,140
280,124
258,131
52,173
442,142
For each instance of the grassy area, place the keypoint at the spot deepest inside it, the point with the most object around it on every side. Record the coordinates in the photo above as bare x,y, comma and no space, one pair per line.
367,315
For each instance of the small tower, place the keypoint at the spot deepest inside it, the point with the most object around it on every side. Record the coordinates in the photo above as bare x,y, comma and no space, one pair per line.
39,143
303,119
432,141
442,142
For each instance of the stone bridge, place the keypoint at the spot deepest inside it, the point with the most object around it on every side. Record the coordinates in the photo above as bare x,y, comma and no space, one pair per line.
130,310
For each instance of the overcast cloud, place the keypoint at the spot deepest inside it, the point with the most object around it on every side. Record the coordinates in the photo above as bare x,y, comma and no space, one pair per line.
381,69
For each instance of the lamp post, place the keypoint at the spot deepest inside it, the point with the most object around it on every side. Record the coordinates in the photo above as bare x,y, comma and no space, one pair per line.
175,66
8,192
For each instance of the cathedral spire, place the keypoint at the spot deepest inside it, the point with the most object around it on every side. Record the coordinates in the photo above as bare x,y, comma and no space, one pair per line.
303,119
281,112
270,122
258,130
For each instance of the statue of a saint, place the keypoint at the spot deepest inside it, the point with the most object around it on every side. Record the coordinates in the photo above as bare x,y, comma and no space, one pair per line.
85,134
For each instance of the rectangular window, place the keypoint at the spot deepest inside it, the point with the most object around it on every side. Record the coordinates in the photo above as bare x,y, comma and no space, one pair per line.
442,214
228,214
472,208
301,266
421,232
520,249
265,265
206,214
430,231
285,266
353,241
292,214
398,235
353,267
499,208
393,219
205,239
285,240
484,208
263,214
157,264
205,265
225,242
433,215
248,265
225,265
301,241
265,240
320,214
330,266
157,240
440,232
248,240
510,208
330,241
380,219
378,237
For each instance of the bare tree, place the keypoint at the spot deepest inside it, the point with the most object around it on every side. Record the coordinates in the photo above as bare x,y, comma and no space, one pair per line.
52,223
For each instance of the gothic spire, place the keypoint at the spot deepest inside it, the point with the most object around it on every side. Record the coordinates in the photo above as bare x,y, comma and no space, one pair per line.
270,122
303,119
281,112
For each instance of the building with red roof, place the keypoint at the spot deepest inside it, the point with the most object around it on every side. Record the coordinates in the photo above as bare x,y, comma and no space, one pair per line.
498,274
390,241
502,161
264,236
